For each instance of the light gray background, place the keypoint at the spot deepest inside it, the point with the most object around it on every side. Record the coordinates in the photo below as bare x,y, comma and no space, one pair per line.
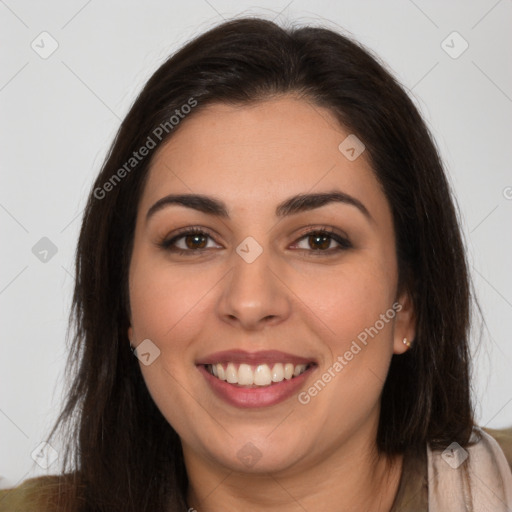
60,114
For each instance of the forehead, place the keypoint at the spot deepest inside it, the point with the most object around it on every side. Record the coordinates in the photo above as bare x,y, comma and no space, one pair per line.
259,152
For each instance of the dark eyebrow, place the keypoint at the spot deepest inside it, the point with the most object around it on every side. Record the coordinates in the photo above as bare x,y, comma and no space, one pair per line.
305,202
293,205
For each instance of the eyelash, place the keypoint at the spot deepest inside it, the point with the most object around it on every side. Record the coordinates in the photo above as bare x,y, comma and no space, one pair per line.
344,243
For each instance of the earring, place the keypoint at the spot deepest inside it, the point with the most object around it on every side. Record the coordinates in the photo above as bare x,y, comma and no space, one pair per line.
406,342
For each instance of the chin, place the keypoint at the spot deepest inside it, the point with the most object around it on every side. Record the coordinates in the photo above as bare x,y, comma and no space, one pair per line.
261,454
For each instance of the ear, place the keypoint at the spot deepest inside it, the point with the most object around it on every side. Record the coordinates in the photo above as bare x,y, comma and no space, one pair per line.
405,323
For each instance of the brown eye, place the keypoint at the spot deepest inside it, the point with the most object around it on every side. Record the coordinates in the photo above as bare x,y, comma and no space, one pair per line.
191,241
320,242
195,241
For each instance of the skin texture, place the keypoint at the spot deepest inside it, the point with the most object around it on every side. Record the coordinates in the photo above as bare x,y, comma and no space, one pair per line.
293,298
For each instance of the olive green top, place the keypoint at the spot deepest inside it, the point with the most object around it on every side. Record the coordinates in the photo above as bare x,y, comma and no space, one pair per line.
412,495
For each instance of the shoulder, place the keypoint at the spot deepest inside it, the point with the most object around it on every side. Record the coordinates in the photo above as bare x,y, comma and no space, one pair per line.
40,494
504,439
486,469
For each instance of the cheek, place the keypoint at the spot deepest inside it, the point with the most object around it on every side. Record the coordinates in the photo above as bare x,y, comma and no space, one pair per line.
165,300
356,306
355,303
166,308
352,298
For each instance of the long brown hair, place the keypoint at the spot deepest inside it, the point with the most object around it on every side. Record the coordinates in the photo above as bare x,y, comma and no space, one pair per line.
122,454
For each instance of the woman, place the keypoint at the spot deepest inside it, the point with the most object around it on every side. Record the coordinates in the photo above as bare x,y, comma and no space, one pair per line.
274,237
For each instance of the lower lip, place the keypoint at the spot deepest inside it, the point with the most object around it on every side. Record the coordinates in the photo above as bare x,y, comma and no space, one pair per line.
265,396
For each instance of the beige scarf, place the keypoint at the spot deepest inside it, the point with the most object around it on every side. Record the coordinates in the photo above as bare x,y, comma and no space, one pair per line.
474,479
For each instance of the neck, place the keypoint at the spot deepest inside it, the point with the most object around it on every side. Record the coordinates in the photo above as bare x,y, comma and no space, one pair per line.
348,480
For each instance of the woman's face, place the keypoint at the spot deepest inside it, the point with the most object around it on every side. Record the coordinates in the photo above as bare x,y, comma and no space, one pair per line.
283,276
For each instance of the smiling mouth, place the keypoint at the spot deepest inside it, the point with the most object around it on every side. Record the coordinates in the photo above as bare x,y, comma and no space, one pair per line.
261,375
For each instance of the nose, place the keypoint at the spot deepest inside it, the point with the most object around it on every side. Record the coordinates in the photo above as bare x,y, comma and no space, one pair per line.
254,293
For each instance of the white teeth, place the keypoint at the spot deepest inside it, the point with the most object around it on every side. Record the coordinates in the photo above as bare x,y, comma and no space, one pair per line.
261,375
231,374
245,375
277,372
221,374
299,369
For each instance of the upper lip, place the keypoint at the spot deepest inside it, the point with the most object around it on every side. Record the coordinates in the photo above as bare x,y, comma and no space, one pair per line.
260,357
